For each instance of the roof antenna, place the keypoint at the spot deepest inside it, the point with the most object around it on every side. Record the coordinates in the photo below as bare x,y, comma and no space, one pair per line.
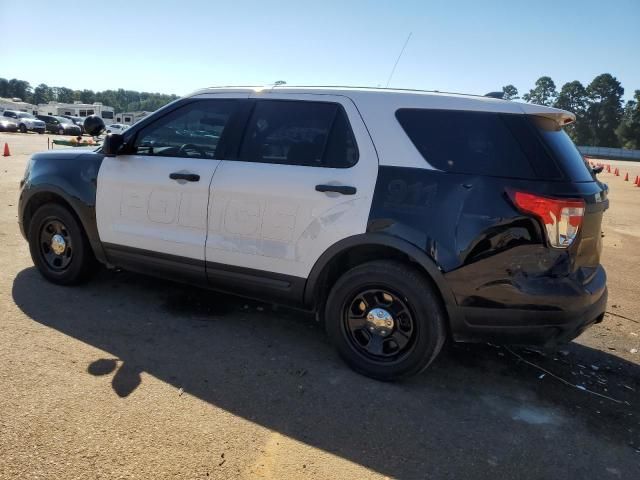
393,70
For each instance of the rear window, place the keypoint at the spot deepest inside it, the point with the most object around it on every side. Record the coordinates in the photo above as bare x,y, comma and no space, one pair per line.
466,142
563,149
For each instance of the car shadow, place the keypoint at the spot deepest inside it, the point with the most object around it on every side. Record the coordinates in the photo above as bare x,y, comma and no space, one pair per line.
477,412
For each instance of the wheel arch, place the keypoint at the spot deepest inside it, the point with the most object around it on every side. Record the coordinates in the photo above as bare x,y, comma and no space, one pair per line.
36,197
357,249
42,197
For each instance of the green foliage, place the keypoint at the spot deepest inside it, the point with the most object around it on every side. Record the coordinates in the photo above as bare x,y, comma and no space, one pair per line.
510,92
605,110
121,100
629,130
573,97
544,92
601,119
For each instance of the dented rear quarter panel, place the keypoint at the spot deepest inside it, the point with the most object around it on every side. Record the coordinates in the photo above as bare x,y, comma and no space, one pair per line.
490,254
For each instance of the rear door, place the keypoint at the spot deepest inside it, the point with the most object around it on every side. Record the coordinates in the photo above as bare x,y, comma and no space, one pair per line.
304,180
152,202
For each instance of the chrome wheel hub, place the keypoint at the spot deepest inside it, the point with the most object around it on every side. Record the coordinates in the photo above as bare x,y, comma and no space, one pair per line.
58,244
380,322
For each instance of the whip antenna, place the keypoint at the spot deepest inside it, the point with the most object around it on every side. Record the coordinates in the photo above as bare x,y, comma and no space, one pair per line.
393,70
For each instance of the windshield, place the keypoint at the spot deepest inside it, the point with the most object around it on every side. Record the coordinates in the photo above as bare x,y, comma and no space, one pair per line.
63,120
25,115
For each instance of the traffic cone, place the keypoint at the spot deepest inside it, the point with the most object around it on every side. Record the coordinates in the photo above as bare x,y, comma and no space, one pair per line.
608,168
617,172
637,181
626,177
6,150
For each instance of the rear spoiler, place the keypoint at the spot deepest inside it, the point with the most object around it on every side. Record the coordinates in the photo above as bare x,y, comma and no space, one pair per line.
561,117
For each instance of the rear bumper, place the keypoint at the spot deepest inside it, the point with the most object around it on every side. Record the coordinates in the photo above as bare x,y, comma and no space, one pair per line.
538,324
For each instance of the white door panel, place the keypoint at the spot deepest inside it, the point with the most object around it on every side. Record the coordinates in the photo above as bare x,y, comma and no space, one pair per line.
139,206
269,216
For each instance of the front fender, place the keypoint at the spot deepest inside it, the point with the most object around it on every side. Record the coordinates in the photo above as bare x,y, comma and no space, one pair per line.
69,176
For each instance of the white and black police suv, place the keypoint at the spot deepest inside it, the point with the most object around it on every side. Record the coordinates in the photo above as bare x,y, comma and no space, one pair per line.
400,217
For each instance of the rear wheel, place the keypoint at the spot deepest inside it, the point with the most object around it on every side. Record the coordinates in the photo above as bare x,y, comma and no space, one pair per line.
385,319
59,247
23,128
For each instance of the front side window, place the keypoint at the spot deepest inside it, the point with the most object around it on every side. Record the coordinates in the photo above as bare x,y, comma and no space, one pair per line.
457,141
193,131
305,133
106,114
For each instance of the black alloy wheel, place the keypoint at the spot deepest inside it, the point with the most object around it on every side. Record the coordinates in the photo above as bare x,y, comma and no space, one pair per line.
379,324
56,245
386,319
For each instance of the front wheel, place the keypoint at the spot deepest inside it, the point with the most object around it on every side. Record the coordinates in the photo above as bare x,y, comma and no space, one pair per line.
59,247
23,128
385,319
61,131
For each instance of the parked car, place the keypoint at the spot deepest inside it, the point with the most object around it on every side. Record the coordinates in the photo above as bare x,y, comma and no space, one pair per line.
26,122
79,121
400,218
8,125
116,128
60,125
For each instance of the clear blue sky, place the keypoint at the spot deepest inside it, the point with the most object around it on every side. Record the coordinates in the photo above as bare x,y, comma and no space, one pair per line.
179,46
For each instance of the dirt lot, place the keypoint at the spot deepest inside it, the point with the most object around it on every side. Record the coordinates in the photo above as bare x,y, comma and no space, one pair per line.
131,377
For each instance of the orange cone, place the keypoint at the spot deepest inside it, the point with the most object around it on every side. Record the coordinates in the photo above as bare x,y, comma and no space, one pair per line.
626,177
6,150
608,168
637,181
617,173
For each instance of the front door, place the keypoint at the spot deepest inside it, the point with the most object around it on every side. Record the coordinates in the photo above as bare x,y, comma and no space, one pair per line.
304,180
152,201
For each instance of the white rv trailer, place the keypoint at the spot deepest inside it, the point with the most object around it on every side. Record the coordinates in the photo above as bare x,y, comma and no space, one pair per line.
78,109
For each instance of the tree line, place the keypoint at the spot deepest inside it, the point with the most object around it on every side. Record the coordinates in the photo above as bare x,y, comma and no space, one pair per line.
603,118
122,100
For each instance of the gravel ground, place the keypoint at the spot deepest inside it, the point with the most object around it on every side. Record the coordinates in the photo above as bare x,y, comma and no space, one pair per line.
132,377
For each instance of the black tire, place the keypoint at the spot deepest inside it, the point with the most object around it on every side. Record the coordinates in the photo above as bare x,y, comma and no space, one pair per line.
77,262
418,318
61,131
23,128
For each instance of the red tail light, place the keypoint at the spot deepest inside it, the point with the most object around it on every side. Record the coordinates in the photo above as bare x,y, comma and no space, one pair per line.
561,217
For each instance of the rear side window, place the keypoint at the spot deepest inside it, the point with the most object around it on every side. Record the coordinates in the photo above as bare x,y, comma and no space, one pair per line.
459,141
315,134
563,149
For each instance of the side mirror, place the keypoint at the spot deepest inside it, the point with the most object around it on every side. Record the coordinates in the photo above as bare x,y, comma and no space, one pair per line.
112,144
